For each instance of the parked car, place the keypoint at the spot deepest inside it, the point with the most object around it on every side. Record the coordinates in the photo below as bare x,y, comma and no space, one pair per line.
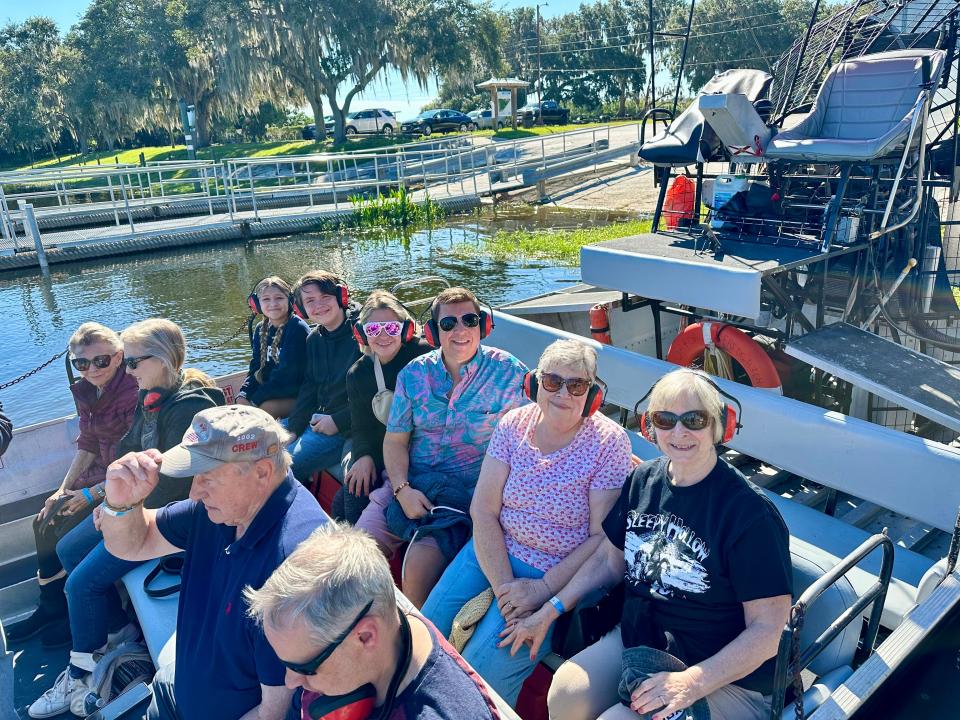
309,132
433,121
483,119
553,114
373,120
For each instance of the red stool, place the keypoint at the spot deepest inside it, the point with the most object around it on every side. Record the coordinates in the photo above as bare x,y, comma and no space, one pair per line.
323,486
532,701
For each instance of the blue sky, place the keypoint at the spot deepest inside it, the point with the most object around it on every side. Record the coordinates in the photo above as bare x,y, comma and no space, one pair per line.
389,91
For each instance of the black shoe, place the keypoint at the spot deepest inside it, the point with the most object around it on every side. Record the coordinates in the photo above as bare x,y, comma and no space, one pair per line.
51,610
36,623
57,634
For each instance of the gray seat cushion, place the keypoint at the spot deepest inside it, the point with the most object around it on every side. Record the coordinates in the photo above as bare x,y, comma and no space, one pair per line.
686,141
863,110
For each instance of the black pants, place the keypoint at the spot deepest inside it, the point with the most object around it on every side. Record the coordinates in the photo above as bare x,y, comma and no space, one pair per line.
47,536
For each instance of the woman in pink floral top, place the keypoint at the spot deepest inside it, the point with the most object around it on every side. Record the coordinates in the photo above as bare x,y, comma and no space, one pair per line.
551,473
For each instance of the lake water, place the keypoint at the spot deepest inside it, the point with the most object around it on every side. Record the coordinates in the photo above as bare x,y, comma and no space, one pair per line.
204,290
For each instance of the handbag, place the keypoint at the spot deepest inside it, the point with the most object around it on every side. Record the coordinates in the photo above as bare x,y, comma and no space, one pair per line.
171,565
383,400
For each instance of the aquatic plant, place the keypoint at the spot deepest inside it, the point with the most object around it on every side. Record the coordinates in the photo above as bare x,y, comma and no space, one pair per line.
562,245
397,209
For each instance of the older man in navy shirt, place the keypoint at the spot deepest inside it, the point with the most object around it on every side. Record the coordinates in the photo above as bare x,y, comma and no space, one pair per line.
245,515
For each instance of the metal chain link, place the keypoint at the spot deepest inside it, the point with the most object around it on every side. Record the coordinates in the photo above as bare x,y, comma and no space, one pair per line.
4,386
797,613
217,346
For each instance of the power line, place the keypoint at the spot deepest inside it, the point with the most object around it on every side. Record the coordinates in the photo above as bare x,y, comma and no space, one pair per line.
640,31
640,44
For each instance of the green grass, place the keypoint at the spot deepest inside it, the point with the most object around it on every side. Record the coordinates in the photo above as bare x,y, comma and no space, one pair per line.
217,152
510,134
561,245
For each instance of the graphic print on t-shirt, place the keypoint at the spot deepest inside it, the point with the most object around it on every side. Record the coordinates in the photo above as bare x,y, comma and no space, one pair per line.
664,553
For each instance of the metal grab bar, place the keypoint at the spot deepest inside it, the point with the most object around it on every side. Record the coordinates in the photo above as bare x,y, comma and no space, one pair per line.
652,113
875,596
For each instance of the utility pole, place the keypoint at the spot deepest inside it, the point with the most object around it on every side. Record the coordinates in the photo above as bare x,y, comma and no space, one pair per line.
187,120
539,69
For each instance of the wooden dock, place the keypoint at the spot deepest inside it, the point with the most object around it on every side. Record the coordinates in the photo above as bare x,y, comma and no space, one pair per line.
86,243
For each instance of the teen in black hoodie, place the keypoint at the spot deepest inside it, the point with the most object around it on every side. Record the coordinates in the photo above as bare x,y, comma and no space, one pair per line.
321,416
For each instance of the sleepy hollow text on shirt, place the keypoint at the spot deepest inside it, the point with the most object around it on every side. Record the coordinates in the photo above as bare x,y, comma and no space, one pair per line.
664,553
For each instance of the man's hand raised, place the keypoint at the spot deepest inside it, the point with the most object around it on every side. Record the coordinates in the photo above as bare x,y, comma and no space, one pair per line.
132,478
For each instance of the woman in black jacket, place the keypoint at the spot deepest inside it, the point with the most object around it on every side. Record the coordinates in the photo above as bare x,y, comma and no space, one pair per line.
387,334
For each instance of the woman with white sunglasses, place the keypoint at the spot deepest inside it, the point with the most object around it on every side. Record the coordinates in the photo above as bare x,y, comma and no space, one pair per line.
387,335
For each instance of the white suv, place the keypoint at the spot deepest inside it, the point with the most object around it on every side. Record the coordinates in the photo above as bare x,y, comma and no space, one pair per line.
375,120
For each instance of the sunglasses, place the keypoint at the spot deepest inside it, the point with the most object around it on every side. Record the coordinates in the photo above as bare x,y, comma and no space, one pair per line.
470,320
310,667
98,361
691,420
391,328
551,382
132,362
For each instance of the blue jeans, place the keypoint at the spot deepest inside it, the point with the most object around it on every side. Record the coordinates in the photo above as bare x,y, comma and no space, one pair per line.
92,600
314,451
462,581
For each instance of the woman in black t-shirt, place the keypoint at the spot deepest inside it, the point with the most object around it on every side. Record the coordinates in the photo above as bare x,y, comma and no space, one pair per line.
706,562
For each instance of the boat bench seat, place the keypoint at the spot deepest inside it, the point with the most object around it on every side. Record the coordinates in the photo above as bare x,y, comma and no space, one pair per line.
157,616
812,531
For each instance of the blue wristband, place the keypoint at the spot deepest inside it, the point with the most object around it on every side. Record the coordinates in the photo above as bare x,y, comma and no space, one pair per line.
88,495
558,604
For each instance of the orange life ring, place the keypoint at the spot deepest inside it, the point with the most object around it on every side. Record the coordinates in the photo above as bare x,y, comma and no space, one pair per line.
691,343
600,323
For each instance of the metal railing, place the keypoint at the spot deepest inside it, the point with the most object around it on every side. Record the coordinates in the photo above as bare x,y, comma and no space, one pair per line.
128,195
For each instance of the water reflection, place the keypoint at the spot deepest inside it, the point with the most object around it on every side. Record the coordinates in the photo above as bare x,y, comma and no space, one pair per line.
205,290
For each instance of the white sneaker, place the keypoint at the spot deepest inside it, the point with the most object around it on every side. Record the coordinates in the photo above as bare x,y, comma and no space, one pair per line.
59,698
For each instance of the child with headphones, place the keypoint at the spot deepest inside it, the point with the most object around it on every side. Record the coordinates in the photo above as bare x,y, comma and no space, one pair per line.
321,415
279,350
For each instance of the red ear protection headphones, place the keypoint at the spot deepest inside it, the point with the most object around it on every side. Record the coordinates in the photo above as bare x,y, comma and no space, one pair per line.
253,302
431,330
360,704
595,395
339,292
729,415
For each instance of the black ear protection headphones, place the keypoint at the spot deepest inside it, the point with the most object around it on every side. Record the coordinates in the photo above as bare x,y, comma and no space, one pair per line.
595,395
339,292
253,302
729,416
431,330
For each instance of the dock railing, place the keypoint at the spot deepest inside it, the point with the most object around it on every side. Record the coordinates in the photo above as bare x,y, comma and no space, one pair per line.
128,196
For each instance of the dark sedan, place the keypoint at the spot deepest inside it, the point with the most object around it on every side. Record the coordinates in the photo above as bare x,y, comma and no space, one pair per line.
433,121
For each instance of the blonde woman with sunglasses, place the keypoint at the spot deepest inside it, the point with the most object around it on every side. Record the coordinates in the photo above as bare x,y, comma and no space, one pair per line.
106,398
388,338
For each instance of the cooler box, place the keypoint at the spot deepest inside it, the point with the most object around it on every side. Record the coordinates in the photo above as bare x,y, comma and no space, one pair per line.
737,124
